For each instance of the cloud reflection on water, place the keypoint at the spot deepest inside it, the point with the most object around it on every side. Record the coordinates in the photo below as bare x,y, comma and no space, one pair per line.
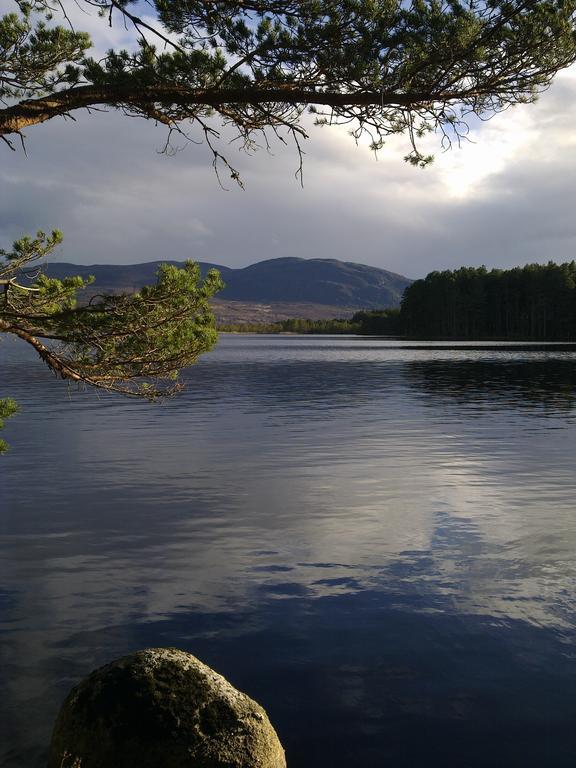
313,488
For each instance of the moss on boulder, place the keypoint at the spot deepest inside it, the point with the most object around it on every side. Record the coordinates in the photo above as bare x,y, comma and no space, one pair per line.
162,708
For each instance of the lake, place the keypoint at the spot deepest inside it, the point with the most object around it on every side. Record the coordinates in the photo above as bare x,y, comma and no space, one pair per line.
375,540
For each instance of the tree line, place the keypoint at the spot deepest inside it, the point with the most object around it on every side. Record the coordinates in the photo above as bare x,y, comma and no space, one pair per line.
537,301
370,322
534,302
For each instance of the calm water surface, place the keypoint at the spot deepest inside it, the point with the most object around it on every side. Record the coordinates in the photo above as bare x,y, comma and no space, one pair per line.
377,543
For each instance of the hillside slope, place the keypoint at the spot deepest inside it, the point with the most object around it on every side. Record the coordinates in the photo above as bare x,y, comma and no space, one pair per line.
315,281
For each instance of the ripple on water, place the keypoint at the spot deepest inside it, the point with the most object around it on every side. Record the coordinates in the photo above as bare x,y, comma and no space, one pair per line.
376,532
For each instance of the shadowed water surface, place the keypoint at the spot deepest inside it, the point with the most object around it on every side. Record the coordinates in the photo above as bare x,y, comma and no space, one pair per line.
375,540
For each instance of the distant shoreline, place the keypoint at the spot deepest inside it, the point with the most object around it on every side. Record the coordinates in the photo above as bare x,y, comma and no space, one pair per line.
424,343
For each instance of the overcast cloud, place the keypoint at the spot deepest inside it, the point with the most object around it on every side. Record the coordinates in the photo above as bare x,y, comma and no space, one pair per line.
505,200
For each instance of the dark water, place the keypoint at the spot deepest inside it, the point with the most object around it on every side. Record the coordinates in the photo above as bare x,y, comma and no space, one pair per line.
376,543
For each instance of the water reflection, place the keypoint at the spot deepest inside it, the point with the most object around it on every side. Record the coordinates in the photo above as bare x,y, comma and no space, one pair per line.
376,542
541,383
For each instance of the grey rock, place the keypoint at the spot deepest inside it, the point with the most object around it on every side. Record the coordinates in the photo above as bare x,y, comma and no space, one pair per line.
162,708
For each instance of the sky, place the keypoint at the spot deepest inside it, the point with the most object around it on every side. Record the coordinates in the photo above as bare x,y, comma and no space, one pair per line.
506,198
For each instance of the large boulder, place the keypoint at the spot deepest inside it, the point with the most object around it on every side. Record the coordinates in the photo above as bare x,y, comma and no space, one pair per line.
162,708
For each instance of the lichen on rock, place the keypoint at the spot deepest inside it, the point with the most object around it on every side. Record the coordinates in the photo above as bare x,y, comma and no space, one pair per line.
162,708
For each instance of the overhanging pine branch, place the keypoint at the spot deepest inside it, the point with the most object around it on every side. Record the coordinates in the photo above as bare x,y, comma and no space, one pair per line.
16,118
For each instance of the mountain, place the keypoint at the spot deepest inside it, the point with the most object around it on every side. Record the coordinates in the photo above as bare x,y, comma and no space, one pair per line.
286,280
117,278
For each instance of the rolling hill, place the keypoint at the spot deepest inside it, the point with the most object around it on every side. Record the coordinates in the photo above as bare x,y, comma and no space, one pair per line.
285,281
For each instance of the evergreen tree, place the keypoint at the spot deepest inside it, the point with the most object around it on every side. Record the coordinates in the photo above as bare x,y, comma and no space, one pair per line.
134,344
380,66
536,302
7,408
